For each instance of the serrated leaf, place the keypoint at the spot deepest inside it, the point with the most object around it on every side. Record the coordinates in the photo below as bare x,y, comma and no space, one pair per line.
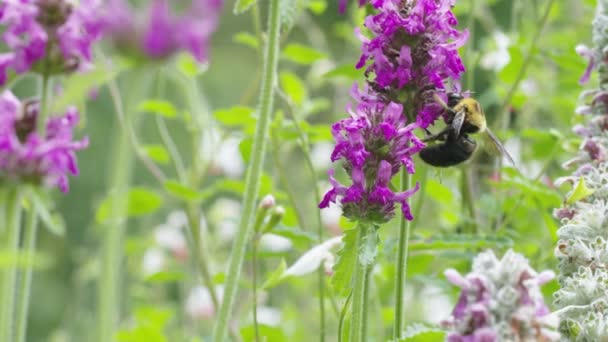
344,266
160,107
139,202
52,221
182,192
242,6
157,153
247,39
289,12
235,117
276,277
581,191
293,87
369,248
302,54
418,332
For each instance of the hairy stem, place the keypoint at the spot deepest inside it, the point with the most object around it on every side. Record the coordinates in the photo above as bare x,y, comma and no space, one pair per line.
9,278
402,251
358,323
254,172
120,176
25,284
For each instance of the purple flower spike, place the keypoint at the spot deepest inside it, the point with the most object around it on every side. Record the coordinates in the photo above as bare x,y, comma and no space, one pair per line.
48,36
25,156
500,300
163,33
411,57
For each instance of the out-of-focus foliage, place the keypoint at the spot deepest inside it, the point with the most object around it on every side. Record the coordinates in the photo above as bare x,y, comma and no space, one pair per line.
532,111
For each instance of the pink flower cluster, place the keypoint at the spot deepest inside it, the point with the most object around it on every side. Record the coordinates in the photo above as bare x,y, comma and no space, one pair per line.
25,156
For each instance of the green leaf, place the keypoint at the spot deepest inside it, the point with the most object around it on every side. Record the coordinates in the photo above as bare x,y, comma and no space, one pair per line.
369,250
242,6
293,87
157,153
344,266
160,107
247,39
458,242
182,192
267,333
245,147
297,236
302,54
235,116
24,260
289,12
140,201
347,71
418,332
581,191
188,66
42,204
276,277
317,6
439,192
150,326
166,277
77,86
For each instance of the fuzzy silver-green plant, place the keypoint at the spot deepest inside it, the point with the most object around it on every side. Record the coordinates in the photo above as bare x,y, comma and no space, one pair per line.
582,248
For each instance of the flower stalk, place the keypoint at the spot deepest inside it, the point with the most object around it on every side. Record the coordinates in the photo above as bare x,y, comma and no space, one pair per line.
254,172
402,252
366,248
25,284
9,279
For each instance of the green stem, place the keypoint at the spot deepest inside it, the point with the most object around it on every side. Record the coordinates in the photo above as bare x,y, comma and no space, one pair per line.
358,323
120,176
254,286
200,256
254,172
11,245
29,244
504,118
43,115
402,252
311,169
468,196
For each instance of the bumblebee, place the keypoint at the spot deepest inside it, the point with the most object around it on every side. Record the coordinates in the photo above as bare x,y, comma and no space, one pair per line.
453,145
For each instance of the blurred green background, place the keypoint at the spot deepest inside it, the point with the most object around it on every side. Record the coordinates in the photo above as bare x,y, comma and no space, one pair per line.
511,63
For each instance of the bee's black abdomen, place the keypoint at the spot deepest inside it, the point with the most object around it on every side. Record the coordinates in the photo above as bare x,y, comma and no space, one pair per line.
448,154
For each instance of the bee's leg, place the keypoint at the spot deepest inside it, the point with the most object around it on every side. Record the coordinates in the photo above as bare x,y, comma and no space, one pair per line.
441,136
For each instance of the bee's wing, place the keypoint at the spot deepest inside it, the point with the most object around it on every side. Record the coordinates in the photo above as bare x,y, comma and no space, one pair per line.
495,146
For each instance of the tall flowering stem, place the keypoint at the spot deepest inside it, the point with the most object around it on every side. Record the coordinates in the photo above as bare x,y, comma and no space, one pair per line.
9,275
252,182
411,57
500,300
582,249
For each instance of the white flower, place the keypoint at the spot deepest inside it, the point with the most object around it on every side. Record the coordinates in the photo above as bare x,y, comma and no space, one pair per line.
199,304
153,261
269,316
496,60
275,243
312,259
